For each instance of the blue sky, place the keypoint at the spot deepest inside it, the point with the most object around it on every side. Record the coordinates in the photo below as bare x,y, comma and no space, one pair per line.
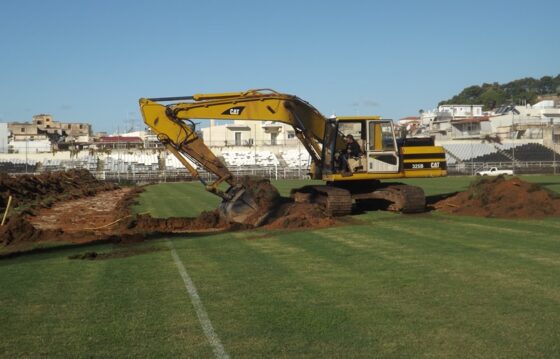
90,61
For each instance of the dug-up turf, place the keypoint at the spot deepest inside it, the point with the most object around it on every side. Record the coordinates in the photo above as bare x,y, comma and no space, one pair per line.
74,207
503,198
49,187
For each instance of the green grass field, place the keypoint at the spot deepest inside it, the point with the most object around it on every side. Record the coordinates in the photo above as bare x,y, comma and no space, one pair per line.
380,285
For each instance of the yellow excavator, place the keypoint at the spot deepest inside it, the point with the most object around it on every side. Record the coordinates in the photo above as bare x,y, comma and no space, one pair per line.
349,177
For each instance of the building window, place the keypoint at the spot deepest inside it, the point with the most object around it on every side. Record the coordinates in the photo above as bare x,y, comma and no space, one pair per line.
22,129
291,134
238,138
81,126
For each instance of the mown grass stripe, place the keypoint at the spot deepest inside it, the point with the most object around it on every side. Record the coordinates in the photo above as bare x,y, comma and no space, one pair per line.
201,313
494,258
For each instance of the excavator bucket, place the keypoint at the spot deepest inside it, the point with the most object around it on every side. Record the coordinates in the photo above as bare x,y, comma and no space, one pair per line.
250,202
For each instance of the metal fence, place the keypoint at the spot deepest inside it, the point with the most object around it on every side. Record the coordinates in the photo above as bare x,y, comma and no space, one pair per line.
532,167
273,173
279,172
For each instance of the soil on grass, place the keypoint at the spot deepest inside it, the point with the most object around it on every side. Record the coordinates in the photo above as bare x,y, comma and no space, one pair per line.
296,215
122,252
79,209
502,198
44,189
73,207
33,193
276,212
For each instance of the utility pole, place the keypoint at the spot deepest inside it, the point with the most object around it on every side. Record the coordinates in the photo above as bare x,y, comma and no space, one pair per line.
513,141
26,147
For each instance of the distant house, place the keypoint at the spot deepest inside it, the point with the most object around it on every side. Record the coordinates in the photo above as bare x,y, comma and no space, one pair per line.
455,121
25,131
71,131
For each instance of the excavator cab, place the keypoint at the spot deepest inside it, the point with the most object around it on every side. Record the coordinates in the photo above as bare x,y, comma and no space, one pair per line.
375,138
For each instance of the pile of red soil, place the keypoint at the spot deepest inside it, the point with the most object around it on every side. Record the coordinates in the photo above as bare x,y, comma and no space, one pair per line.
296,215
502,198
261,195
281,212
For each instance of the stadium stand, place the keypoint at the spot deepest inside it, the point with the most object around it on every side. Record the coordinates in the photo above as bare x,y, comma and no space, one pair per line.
491,157
466,151
296,158
532,152
250,158
463,158
18,166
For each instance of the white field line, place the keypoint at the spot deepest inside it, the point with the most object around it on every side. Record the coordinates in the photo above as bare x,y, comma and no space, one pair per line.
211,335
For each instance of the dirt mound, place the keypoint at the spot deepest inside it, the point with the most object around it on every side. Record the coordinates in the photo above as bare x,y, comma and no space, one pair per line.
49,186
253,198
502,198
19,229
276,212
73,207
32,194
295,215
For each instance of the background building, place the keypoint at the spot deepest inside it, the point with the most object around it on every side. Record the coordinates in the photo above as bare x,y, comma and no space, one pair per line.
4,133
249,133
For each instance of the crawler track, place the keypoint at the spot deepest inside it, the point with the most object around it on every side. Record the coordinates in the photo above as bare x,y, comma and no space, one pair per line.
336,201
403,198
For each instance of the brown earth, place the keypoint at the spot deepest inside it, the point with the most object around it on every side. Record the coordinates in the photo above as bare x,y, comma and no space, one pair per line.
295,215
74,207
31,194
49,186
502,198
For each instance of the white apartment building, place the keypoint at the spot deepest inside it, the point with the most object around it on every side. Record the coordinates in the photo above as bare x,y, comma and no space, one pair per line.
525,121
249,133
464,121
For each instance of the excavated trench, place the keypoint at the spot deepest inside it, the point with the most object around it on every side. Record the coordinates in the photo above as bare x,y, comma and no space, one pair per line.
74,207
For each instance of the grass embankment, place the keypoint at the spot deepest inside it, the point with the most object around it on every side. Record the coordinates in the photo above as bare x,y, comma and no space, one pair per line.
383,285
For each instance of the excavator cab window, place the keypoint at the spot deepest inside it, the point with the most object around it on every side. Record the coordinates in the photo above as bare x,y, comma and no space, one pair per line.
337,158
329,146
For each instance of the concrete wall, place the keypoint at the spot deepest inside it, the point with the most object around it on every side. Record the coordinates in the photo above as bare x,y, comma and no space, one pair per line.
31,146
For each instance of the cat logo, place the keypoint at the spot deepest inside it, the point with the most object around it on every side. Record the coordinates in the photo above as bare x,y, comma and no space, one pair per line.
234,111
